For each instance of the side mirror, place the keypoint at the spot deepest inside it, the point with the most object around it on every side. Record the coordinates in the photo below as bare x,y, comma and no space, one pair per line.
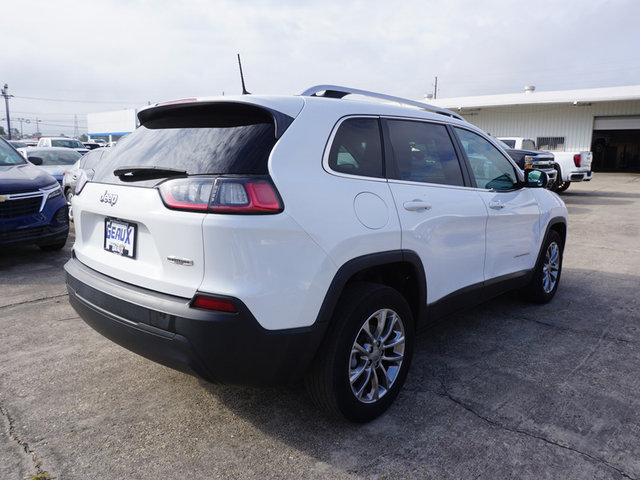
35,160
535,178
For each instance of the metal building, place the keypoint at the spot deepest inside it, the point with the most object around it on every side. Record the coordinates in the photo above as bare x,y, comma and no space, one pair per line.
603,120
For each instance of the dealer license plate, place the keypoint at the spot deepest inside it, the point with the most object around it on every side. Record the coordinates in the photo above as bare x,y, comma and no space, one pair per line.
120,237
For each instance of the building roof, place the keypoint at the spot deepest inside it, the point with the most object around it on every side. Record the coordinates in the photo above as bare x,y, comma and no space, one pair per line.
590,95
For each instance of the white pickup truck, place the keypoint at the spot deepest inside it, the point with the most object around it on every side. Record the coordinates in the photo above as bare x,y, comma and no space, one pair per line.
571,166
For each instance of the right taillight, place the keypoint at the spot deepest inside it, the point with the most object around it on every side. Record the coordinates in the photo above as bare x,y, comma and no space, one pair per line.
577,159
240,195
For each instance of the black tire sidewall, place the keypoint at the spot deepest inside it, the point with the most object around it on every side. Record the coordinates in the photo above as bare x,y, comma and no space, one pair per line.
353,318
537,293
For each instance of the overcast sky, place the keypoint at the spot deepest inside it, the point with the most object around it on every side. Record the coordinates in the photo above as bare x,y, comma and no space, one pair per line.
65,58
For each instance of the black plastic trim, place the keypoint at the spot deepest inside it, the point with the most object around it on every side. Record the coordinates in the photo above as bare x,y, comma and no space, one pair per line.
350,271
231,348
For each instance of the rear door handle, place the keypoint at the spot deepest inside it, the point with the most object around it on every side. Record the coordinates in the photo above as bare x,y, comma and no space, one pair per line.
416,206
497,205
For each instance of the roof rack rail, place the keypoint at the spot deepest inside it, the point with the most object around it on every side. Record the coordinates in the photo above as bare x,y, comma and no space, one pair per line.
336,91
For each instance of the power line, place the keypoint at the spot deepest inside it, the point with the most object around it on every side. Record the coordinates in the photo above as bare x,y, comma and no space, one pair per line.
123,102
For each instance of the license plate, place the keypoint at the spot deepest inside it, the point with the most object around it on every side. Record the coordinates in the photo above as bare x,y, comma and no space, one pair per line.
120,237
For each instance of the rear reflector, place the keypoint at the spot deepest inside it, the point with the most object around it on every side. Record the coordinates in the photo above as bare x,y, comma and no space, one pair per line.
214,304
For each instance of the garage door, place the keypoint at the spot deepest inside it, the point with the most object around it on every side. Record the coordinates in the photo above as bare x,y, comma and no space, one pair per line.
617,123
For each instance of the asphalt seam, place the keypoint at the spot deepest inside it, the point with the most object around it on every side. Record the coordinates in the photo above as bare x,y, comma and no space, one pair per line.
581,332
33,301
23,444
530,434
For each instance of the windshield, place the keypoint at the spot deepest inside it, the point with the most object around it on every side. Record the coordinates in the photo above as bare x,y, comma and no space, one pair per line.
69,143
56,157
8,156
506,143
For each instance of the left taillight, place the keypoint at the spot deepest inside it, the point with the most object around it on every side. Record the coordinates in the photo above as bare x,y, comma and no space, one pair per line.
239,195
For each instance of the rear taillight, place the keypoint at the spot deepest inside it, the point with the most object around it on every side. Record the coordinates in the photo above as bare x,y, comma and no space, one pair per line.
213,304
241,195
577,159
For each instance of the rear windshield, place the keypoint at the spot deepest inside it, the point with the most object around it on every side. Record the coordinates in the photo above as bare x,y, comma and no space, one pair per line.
66,143
199,141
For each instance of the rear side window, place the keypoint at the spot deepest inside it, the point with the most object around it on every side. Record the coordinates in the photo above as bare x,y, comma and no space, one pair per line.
211,139
423,152
357,148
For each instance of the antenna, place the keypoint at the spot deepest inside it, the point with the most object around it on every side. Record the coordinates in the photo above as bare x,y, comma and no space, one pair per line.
244,90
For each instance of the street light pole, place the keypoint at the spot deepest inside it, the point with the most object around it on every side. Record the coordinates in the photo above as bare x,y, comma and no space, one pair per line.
5,94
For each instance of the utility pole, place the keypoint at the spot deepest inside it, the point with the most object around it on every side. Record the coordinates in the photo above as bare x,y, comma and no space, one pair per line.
5,94
435,89
76,131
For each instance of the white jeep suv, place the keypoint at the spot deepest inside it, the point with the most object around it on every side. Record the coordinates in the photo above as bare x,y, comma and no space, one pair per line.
260,240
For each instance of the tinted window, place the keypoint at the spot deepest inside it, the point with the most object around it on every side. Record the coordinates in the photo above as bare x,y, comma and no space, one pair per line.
423,152
8,156
490,168
357,149
509,143
56,157
224,149
66,143
91,159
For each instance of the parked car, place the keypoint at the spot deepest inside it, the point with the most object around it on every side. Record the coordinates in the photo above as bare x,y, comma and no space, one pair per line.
32,207
527,158
63,142
18,143
93,145
55,160
85,166
573,166
260,240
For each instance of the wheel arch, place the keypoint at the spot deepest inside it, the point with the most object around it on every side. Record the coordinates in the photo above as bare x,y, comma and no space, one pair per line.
401,270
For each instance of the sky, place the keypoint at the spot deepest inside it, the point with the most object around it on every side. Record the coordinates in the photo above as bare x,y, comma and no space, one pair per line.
64,59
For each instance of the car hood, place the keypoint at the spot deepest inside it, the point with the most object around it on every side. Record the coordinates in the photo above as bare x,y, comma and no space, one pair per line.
23,178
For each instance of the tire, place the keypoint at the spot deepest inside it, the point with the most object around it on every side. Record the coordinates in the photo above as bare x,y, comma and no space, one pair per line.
69,195
352,376
546,277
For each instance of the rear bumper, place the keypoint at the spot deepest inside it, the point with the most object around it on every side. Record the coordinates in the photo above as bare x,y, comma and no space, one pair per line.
580,176
229,348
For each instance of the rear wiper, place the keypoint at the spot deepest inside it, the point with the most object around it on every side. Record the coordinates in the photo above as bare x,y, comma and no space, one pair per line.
138,174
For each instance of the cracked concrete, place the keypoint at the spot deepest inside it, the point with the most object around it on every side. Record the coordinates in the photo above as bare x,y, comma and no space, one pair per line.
21,458
506,390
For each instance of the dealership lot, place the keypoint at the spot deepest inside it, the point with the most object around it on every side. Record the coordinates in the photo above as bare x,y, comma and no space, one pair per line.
507,390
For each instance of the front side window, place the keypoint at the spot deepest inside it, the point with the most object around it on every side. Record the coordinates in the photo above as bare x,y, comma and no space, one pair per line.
423,152
357,148
489,167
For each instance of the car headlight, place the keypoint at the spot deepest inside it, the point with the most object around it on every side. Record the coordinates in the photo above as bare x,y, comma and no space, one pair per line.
56,192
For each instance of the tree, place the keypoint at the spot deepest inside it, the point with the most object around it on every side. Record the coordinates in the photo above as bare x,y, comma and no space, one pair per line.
2,132
83,137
